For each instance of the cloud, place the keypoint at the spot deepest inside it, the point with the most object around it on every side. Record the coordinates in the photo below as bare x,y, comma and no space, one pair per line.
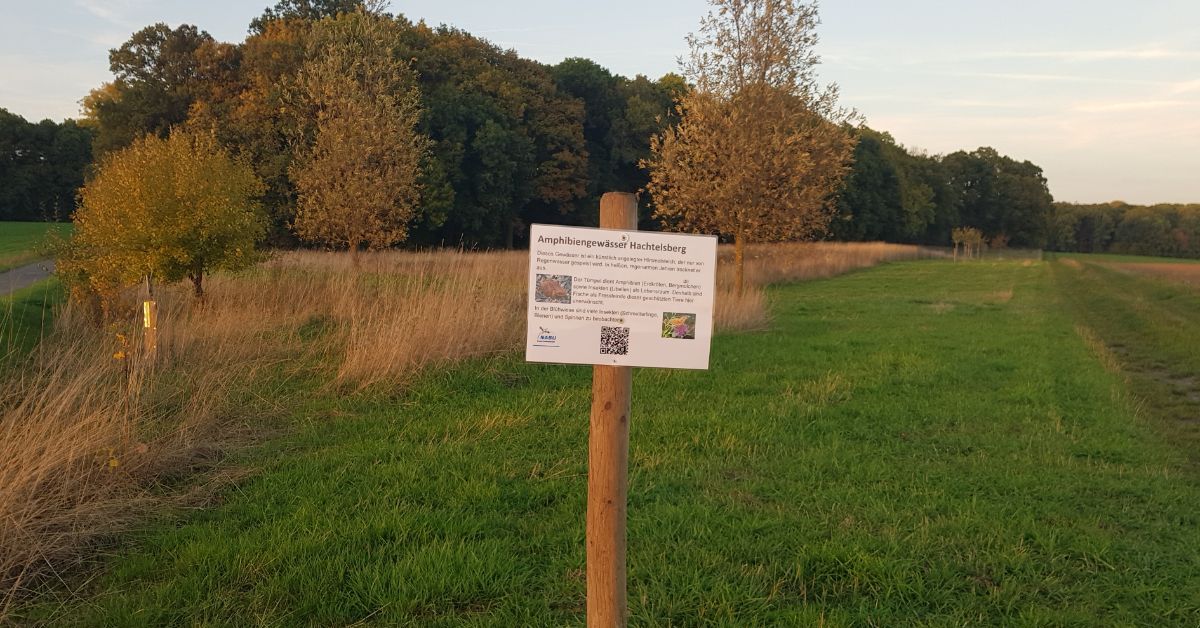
112,11
101,10
967,103
1111,54
926,101
1055,78
1184,87
1136,105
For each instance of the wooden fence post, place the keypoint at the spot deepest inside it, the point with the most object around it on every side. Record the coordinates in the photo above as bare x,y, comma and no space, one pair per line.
608,463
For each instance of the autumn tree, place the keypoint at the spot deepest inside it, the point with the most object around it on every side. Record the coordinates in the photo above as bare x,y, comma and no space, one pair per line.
252,119
163,209
157,74
760,147
970,239
311,10
357,175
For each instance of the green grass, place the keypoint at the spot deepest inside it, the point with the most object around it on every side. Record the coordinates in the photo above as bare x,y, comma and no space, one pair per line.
924,443
1125,259
26,316
1152,329
20,241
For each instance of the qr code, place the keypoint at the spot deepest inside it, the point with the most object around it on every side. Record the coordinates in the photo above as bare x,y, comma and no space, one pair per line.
614,341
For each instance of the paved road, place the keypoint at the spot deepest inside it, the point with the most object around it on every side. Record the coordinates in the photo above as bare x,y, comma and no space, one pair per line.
24,276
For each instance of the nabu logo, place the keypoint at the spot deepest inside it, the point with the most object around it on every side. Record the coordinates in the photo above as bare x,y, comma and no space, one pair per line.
546,337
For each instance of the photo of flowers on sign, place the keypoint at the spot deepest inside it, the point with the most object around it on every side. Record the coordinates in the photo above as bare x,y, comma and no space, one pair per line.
553,289
679,325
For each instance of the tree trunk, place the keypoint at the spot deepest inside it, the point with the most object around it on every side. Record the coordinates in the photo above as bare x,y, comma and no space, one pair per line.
355,261
197,278
739,261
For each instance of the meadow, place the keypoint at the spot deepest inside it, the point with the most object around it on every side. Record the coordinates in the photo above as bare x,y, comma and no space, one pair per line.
1188,274
20,242
1144,328
26,316
922,443
96,436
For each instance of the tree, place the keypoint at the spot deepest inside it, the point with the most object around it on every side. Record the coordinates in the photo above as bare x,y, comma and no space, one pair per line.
252,120
760,147
508,147
164,209
358,179
620,117
310,10
1000,195
969,238
869,203
895,194
158,73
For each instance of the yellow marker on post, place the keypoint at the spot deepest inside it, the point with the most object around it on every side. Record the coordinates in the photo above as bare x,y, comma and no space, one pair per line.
150,323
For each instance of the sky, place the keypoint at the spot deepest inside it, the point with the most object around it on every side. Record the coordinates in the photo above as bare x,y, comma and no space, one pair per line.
1103,95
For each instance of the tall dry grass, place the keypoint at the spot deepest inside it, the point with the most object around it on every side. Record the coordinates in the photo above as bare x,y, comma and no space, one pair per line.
86,437
88,426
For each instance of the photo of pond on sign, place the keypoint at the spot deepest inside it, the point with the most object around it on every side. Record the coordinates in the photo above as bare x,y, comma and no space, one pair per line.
553,289
679,325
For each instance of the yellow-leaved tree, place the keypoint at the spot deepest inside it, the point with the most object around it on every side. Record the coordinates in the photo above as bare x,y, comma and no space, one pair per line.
163,209
760,147
357,170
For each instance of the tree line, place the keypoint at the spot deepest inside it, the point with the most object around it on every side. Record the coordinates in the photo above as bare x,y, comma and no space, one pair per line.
508,141
511,141
1168,230
898,195
41,167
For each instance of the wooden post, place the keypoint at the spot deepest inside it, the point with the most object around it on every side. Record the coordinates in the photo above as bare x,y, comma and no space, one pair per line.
608,463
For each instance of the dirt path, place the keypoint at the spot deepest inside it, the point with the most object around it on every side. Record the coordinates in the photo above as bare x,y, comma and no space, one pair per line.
24,276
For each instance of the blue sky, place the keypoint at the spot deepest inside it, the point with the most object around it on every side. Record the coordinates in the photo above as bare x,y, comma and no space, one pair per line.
1105,96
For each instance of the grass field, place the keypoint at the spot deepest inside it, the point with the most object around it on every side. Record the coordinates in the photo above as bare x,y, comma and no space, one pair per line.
1179,274
25,317
1119,258
20,241
1150,334
925,443
97,437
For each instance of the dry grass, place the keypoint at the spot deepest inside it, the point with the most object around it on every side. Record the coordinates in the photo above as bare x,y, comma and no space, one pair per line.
804,261
85,437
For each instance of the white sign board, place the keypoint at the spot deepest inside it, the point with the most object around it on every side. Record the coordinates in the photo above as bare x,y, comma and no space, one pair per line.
620,298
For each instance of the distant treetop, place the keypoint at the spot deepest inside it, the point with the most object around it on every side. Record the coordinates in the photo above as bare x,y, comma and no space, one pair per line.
311,10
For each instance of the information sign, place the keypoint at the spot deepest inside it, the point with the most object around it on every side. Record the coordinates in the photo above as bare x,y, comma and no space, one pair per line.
621,298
